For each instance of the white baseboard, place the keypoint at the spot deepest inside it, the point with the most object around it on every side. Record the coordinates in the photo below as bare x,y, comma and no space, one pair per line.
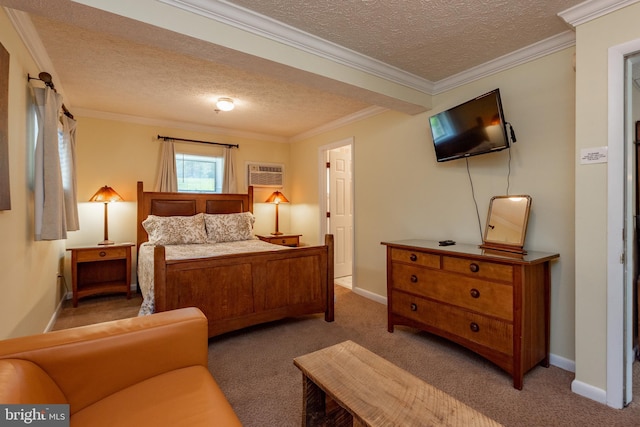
369,295
589,391
343,284
56,313
562,362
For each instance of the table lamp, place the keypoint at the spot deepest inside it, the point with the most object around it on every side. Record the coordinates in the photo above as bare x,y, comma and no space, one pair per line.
277,197
106,195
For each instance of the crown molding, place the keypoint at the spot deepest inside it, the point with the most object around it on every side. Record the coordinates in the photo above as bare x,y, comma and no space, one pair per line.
174,124
102,115
29,36
263,26
247,20
510,60
351,118
592,9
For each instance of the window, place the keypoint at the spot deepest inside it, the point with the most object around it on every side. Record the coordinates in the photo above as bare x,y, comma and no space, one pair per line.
199,174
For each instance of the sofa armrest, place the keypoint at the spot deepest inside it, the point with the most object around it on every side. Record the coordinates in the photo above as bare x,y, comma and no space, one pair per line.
91,362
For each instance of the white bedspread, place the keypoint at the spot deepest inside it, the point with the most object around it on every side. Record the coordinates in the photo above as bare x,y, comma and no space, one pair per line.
175,252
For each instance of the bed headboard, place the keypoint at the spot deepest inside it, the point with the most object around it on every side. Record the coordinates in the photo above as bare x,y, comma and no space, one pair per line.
186,204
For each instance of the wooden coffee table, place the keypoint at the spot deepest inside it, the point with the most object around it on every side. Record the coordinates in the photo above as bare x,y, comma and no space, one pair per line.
347,385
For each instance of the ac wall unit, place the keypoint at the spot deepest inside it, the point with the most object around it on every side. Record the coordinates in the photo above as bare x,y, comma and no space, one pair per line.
265,175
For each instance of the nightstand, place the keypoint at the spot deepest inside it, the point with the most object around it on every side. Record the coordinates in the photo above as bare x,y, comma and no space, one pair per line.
282,239
101,269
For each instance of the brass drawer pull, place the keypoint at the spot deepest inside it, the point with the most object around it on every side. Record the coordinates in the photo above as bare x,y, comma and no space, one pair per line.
474,327
414,278
474,293
474,267
413,257
414,306
102,253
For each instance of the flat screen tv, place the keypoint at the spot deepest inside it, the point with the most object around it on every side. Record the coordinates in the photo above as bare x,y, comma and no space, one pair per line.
475,127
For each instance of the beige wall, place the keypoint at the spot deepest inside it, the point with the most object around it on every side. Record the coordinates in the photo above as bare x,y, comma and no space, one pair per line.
29,286
402,192
593,42
119,154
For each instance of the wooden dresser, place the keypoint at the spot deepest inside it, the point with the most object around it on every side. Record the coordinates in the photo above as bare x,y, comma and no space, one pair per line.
493,303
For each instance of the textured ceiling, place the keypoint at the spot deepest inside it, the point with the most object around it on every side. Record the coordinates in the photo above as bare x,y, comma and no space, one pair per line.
109,73
111,64
432,39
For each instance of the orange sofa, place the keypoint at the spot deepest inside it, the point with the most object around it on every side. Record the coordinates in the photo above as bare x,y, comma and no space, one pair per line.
143,371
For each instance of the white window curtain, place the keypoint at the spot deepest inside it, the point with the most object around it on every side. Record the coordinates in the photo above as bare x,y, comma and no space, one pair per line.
230,181
68,169
167,180
50,214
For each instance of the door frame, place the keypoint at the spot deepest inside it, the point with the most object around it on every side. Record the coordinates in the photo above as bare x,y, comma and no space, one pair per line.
322,191
619,328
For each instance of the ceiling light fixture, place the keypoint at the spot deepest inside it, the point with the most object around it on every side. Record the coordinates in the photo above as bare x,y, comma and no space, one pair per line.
225,104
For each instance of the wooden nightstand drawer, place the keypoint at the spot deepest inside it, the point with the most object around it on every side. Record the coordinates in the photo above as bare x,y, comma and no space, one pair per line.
98,254
283,239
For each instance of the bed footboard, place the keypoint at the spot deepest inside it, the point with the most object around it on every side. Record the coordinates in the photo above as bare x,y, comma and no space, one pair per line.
237,291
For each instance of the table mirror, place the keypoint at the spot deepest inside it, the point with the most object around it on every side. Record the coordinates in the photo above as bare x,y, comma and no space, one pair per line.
507,223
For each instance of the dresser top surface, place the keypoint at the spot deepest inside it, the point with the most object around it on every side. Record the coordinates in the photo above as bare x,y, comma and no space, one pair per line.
462,249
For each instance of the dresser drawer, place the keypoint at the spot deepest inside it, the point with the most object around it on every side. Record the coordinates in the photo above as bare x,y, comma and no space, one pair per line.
415,257
102,254
493,299
484,269
485,331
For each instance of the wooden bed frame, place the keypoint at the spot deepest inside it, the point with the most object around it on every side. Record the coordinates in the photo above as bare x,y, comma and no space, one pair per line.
241,290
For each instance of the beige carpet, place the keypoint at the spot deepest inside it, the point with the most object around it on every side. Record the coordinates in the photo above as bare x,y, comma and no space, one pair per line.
255,370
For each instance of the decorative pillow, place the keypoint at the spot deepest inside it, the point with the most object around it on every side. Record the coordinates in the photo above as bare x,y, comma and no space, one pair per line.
175,230
229,227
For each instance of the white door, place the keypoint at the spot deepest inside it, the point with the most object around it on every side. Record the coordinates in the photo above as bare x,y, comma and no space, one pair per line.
632,116
340,209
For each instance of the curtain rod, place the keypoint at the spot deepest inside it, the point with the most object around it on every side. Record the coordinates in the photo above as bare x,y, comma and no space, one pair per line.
201,142
46,79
